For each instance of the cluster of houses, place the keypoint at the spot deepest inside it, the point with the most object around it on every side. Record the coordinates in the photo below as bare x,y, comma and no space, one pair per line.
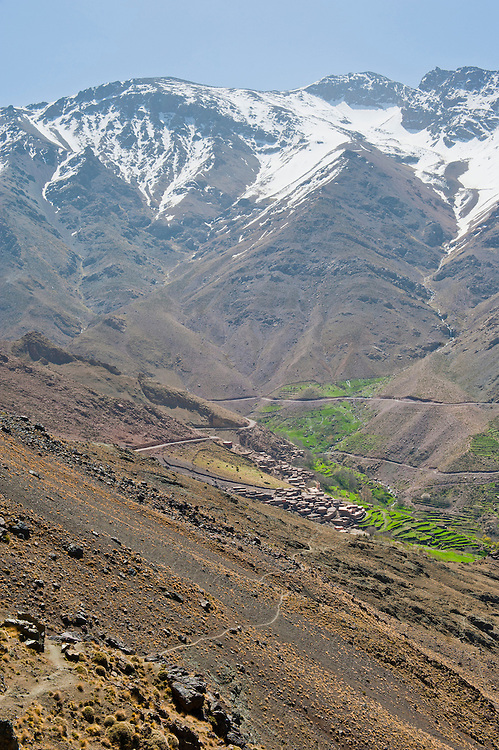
303,497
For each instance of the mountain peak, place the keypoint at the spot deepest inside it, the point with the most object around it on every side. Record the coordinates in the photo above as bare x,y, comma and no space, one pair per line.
467,78
365,89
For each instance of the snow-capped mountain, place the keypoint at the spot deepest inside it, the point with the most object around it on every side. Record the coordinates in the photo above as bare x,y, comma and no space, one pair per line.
132,186
163,134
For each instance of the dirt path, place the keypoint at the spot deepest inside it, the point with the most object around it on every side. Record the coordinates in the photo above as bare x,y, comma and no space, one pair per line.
202,439
428,469
26,689
380,399
232,629
158,446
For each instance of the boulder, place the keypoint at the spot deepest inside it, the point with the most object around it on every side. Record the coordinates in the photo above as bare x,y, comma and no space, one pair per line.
31,631
219,720
174,596
484,625
21,530
115,643
187,740
77,619
75,551
187,697
234,738
70,653
66,637
188,691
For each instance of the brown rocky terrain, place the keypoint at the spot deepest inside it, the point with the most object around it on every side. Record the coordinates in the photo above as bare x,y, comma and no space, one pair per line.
192,264
91,399
310,637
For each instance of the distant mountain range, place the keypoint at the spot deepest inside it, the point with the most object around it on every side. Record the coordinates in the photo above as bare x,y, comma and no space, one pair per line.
230,241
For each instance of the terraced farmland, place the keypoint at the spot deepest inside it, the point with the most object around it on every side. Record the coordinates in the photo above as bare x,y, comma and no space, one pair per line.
404,526
483,453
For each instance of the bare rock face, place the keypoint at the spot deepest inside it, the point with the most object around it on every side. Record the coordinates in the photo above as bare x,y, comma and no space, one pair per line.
8,739
188,691
31,632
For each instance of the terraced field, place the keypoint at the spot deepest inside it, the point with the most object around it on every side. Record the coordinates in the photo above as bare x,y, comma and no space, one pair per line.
483,452
431,529
440,533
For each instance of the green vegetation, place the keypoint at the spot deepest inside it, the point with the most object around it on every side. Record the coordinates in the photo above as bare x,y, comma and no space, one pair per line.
405,526
483,453
316,429
479,507
313,390
361,443
319,429
450,556
459,537
487,443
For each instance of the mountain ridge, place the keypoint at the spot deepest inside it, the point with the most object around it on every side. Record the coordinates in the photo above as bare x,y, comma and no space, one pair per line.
158,189
168,239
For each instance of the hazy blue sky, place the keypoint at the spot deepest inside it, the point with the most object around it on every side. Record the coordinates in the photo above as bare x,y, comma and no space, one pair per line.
56,47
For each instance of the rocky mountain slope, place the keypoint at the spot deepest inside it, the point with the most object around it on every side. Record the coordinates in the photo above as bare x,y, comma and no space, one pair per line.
303,637
243,239
171,242
82,399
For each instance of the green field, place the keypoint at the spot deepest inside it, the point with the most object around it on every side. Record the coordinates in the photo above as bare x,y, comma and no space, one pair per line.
483,452
362,443
317,429
406,526
313,390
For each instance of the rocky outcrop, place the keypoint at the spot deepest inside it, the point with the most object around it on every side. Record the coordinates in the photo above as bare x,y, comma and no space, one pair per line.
174,398
39,348
191,695
31,631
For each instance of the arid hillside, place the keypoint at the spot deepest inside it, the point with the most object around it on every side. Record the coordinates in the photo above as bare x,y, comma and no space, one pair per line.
308,637
81,398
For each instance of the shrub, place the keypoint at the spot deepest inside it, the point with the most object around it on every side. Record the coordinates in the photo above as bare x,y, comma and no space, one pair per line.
156,741
88,714
101,659
122,735
345,479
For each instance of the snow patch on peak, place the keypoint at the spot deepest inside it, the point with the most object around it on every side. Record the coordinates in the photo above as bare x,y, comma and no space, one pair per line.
199,155
65,171
160,134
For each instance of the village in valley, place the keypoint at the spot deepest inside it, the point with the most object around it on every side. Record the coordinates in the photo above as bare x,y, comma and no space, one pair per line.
303,497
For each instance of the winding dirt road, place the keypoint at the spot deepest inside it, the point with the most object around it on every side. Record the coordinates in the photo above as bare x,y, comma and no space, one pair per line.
431,469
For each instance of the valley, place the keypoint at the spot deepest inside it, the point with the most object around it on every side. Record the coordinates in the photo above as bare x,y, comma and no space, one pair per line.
249,416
